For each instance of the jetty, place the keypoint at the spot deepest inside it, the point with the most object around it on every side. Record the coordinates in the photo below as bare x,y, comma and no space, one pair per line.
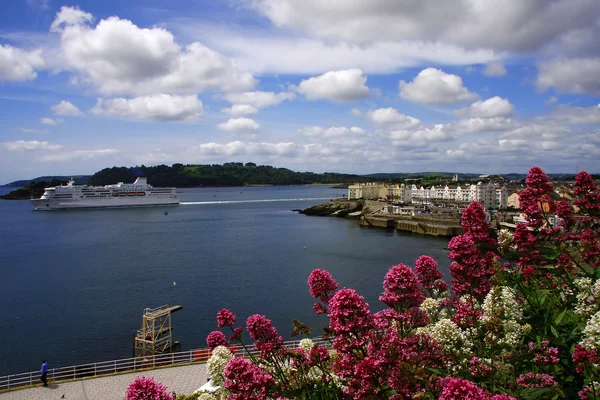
156,335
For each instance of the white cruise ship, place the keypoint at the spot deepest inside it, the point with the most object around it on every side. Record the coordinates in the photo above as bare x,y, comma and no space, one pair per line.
136,194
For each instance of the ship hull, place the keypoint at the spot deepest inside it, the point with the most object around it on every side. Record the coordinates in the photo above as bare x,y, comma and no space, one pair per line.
53,204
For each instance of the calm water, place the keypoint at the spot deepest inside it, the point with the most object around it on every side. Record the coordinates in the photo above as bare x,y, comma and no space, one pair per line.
74,283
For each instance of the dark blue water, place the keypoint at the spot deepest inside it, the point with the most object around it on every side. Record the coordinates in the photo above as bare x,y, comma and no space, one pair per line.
74,283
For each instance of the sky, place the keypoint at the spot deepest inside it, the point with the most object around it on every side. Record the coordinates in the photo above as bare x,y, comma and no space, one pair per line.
350,86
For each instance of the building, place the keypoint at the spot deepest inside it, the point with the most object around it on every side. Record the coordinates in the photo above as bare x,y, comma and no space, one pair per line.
371,190
513,201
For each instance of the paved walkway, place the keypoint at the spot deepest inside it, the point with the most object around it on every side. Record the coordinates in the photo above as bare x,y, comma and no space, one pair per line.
181,380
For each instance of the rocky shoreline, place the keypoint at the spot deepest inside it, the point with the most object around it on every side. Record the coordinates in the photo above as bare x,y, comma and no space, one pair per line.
341,208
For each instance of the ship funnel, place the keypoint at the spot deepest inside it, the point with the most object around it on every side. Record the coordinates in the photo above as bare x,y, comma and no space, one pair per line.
141,180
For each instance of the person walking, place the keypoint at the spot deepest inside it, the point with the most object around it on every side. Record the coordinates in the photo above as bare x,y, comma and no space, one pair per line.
44,371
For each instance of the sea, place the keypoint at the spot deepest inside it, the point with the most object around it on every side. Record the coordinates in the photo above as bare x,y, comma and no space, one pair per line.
74,284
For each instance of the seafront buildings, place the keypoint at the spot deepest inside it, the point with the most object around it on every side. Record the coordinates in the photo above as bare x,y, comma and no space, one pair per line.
490,195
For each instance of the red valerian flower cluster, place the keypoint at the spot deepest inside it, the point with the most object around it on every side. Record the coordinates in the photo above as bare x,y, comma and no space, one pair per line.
501,332
246,381
216,338
143,388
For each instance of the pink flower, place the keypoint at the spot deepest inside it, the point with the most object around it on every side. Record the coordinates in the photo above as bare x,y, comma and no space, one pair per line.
456,388
264,334
474,223
319,308
402,288
502,397
471,272
350,320
225,318
428,273
321,285
544,354
318,355
143,388
588,193
583,357
534,381
237,334
216,338
246,381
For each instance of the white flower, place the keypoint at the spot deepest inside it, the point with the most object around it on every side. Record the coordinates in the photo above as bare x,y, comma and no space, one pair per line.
306,344
591,333
588,293
216,364
500,305
431,307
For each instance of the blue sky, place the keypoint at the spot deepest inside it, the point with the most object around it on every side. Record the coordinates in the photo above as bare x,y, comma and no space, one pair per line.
356,86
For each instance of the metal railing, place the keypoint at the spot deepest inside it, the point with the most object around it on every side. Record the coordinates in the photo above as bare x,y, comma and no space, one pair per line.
105,368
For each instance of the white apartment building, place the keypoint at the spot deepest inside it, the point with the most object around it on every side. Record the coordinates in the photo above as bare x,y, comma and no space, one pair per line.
370,190
489,195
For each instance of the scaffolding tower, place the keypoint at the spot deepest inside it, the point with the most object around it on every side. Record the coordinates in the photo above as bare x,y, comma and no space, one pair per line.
156,335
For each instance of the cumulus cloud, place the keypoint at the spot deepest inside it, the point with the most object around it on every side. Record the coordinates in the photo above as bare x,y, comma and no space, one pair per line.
50,121
435,87
334,131
84,155
490,108
577,115
482,125
18,65
30,145
119,57
239,125
66,108
343,85
551,100
160,107
494,68
259,99
391,116
509,25
578,75
240,110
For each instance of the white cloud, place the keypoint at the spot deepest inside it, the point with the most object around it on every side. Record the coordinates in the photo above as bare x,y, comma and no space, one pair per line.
490,108
332,132
435,87
119,57
391,116
578,75
259,99
50,121
30,145
160,107
37,131
577,115
510,25
65,108
84,155
19,65
240,110
239,125
551,100
356,112
343,85
261,53
482,125
494,68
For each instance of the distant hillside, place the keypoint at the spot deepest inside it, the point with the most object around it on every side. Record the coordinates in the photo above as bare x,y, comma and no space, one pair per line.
32,190
79,180
228,174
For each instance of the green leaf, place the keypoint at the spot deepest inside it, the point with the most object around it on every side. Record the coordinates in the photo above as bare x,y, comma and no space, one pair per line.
560,317
554,331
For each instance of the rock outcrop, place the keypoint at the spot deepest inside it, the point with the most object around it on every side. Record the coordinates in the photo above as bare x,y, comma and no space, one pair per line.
337,208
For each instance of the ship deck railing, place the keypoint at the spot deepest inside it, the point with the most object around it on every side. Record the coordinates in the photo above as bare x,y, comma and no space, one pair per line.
127,365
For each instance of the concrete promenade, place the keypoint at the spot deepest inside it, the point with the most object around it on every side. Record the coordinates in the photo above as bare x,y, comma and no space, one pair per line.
181,380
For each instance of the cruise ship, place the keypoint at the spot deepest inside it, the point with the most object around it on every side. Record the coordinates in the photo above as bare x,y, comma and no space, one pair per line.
136,194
